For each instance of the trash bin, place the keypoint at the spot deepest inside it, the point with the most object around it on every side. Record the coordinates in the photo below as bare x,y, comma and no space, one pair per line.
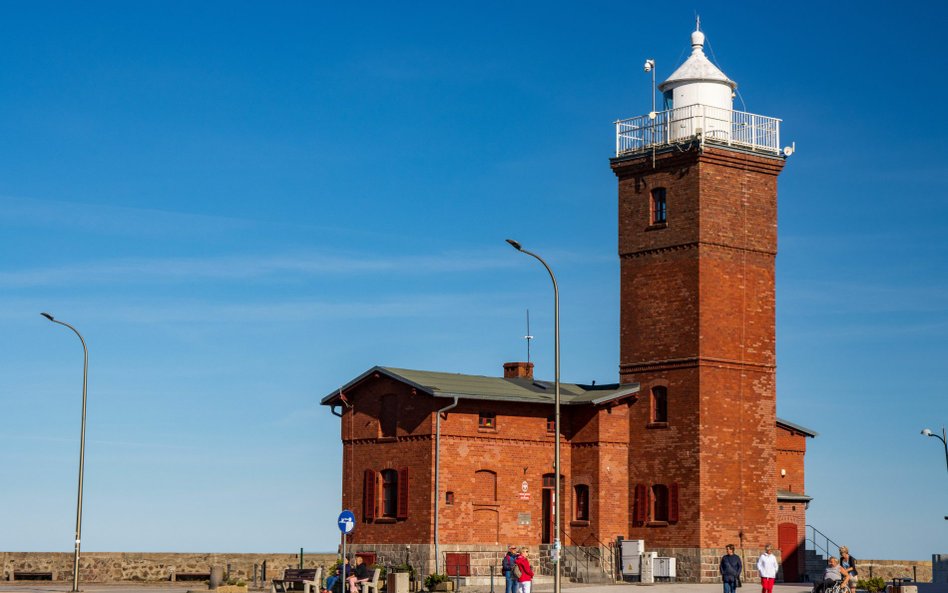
397,582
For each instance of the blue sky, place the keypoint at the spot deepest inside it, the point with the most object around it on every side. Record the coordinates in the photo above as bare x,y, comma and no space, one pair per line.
244,205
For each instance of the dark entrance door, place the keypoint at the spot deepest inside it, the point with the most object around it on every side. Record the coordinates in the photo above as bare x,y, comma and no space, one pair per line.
548,501
547,515
788,542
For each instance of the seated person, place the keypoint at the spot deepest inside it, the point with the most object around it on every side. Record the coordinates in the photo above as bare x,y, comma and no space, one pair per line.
831,576
342,573
360,574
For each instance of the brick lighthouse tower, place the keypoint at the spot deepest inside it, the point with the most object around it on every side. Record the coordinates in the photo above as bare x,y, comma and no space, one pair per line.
697,244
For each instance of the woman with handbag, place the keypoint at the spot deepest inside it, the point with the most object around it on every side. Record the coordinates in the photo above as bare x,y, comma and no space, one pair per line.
730,569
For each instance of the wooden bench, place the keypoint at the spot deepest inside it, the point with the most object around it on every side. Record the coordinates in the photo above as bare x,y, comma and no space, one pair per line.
190,576
309,579
21,575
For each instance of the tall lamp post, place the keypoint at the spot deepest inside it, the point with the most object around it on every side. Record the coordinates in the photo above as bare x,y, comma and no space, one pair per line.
943,438
82,448
556,399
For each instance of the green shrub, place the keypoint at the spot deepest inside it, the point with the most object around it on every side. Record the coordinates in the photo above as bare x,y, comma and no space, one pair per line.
872,585
405,567
433,579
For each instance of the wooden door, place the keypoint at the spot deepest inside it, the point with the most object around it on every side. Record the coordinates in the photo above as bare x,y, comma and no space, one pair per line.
788,541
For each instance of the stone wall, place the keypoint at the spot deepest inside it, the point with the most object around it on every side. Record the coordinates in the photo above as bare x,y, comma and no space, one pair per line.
890,569
106,567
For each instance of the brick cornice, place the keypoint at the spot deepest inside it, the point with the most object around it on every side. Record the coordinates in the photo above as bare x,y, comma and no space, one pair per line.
691,362
643,164
600,445
691,245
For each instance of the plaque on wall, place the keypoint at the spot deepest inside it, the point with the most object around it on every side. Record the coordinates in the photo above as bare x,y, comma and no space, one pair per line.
523,518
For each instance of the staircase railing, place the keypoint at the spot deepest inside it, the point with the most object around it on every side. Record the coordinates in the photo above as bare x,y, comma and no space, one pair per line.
817,541
585,555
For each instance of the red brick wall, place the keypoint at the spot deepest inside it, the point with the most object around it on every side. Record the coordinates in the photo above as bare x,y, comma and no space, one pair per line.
412,448
791,448
697,316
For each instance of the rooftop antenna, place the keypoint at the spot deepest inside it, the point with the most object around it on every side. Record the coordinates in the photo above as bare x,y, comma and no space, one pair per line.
528,337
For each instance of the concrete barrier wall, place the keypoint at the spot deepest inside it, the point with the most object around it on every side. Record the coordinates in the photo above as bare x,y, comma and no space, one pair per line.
107,567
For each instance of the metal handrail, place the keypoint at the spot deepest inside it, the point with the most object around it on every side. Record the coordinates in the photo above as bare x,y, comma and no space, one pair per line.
816,546
598,558
705,123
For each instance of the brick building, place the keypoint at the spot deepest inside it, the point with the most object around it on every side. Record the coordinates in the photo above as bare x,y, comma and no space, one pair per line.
685,451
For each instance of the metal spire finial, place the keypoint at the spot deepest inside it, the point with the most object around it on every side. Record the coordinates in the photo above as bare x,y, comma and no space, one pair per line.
697,22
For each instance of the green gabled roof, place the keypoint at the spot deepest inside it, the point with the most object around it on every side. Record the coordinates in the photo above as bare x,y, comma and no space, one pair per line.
493,388
801,429
787,496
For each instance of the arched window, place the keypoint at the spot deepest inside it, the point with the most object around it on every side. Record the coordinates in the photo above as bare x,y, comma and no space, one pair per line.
659,411
389,493
658,207
659,502
485,487
581,502
388,416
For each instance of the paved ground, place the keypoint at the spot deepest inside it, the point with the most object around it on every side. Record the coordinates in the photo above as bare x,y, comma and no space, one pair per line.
567,588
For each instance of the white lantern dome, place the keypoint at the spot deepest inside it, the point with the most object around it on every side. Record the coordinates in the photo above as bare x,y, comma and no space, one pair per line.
698,81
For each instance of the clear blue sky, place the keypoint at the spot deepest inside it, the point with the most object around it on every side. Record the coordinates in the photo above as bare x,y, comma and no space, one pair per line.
244,205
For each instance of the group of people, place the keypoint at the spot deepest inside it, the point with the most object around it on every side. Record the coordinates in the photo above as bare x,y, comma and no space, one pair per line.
840,571
517,570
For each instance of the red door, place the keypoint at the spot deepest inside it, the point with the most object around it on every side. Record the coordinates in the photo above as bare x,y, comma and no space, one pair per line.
788,542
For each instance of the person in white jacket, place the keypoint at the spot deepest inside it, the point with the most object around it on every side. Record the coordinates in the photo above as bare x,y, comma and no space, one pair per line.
767,566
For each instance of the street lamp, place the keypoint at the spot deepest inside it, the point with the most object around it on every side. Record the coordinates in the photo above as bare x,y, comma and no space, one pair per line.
943,438
82,448
556,399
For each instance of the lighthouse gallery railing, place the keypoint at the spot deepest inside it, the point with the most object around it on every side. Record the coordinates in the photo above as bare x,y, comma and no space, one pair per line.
708,124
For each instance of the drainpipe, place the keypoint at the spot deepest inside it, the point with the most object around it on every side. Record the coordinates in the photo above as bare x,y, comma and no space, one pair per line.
437,484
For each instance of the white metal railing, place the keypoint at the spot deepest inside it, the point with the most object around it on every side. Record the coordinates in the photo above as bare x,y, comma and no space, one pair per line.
715,126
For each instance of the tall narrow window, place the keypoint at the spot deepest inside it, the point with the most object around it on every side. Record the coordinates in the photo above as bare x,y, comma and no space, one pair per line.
388,416
581,510
551,423
659,207
389,493
659,404
659,502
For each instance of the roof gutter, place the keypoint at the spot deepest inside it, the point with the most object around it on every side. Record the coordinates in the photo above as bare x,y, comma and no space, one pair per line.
437,485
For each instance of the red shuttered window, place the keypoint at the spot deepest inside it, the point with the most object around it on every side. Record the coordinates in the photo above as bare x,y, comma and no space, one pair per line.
403,493
641,504
673,503
368,496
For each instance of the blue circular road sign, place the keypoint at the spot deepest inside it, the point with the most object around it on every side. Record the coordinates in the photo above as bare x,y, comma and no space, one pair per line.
346,521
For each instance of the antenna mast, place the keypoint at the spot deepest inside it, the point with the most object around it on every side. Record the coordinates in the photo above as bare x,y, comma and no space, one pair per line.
528,337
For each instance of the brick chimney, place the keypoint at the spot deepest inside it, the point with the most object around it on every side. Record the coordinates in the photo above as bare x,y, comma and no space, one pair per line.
518,370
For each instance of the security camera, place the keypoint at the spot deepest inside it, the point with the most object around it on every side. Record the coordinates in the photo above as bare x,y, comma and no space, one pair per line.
649,64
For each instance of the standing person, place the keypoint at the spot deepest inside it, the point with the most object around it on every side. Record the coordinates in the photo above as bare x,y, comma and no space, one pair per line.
510,558
730,569
526,572
767,567
848,564
360,574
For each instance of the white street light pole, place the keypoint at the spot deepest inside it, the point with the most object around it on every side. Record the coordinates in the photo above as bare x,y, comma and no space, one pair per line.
557,574
943,438
82,448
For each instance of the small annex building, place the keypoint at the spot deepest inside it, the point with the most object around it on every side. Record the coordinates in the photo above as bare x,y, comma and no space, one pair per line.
683,450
